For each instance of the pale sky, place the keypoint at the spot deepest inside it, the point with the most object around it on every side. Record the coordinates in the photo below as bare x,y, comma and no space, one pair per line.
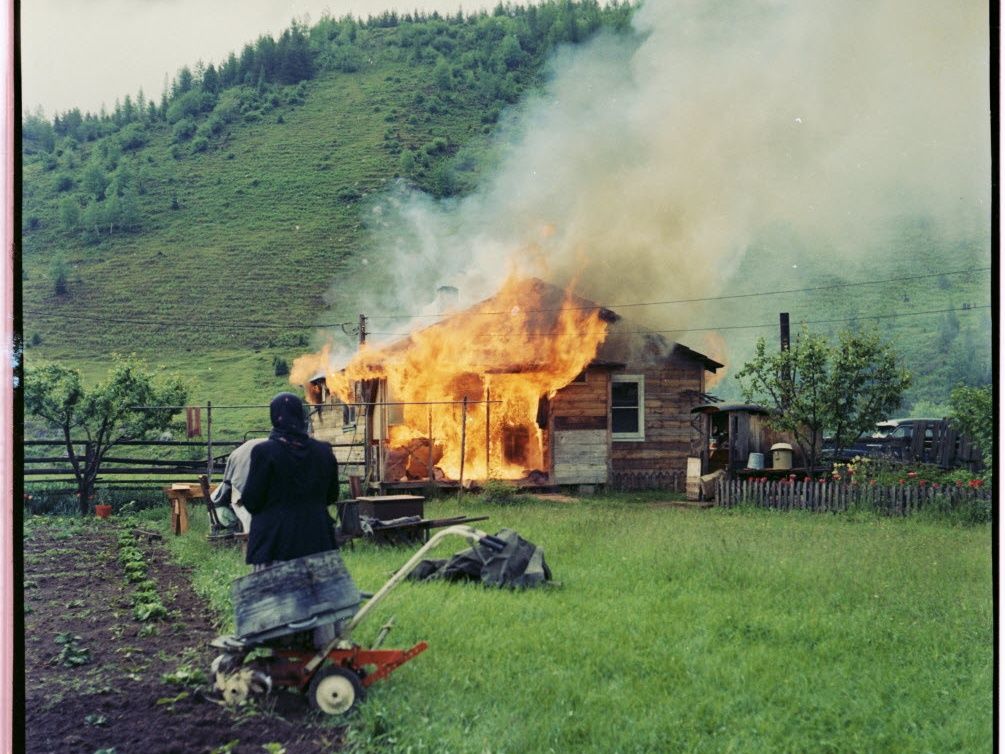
85,53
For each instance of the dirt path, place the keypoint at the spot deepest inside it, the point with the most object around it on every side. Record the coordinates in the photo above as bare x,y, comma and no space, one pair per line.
95,675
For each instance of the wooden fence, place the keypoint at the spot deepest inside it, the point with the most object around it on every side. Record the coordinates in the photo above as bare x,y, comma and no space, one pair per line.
897,499
130,461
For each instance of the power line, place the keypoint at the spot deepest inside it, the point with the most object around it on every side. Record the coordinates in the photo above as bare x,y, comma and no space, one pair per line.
350,327
719,328
705,298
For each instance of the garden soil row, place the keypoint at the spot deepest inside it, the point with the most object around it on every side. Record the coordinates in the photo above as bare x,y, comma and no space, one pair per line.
98,679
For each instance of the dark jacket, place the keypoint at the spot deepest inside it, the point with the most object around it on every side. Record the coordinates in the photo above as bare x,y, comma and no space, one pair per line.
288,491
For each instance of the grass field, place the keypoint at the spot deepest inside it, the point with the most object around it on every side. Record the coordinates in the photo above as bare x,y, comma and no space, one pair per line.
674,630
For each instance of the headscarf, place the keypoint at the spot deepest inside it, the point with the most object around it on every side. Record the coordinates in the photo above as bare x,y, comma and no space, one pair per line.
289,422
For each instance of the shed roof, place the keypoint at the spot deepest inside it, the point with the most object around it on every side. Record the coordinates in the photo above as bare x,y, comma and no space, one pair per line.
726,408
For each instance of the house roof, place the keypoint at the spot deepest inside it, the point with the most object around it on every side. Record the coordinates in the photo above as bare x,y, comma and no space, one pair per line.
625,341
726,408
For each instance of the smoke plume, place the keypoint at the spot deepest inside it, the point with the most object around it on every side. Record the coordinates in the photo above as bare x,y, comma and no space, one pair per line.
651,163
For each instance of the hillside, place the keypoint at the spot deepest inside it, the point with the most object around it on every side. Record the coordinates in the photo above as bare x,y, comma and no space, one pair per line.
214,231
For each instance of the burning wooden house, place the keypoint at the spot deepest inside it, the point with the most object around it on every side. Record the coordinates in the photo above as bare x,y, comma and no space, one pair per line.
534,385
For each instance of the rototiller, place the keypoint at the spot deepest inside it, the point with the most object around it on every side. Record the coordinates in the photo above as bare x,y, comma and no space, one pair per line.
277,610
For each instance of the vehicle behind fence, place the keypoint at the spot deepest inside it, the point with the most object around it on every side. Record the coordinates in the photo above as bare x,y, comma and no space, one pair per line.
974,500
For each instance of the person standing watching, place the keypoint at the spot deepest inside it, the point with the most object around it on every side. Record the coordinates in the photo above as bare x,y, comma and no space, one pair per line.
292,480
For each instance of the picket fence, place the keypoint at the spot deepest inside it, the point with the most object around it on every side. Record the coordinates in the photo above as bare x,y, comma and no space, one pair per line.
897,499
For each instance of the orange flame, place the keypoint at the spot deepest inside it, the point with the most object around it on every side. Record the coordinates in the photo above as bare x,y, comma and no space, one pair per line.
714,345
516,347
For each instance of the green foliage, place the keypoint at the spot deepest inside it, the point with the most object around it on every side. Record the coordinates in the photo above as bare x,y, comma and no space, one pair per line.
720,621
185,675
280,367
69,213
94,181
814,387
500,493
72,653
183,130
59,271
972,413
133,137
123,406
149,611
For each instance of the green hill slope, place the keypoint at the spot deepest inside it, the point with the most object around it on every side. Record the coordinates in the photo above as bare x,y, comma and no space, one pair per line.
212,232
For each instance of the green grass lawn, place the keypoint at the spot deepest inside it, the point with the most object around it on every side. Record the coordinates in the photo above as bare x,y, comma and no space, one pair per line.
679,630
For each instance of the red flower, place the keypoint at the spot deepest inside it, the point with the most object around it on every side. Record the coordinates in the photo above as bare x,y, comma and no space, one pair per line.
912,473
921,482
936,485
900,481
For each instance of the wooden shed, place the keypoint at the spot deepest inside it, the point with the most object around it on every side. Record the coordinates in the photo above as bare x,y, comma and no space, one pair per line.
726,434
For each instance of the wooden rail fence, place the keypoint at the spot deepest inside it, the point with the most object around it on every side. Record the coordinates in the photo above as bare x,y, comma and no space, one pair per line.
897,499
123,466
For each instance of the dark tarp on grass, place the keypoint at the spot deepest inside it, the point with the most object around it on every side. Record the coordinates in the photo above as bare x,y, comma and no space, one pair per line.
520,564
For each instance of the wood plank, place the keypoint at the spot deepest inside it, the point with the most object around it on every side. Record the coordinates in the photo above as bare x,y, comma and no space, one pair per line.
580,424
594,437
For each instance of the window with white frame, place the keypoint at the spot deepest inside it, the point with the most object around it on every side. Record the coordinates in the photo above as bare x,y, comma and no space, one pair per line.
628,400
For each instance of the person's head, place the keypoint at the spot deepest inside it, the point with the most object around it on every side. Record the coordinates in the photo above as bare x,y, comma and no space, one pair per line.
287,413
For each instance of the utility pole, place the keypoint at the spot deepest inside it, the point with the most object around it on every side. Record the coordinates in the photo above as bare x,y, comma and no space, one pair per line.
362,329
783,326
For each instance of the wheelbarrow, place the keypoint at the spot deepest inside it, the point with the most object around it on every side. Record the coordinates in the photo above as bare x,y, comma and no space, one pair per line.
277,610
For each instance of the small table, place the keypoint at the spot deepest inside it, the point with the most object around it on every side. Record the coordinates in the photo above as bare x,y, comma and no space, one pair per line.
178,495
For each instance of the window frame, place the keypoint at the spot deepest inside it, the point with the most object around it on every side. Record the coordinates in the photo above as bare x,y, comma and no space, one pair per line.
640,435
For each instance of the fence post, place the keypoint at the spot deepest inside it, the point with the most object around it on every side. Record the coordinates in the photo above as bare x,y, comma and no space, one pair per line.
488,432
429,436
464,432
209,440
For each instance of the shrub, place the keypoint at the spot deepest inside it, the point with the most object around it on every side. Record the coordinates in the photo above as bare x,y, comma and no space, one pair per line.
280,367
501,493
183,130
64,182
200,144
133,136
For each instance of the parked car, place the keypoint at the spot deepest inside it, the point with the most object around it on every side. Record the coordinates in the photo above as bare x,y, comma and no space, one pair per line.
892,438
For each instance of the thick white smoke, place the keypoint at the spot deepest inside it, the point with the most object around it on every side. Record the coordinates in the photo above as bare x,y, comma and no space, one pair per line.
649,165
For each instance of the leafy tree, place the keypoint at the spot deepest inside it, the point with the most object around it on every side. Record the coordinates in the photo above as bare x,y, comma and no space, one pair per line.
91,221
105,414
69,213
815,387
59,272
183,83
94,181
37,134
972,413
133,136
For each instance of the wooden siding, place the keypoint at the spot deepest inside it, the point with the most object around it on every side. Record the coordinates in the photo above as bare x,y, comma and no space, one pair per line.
670,387
580,431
